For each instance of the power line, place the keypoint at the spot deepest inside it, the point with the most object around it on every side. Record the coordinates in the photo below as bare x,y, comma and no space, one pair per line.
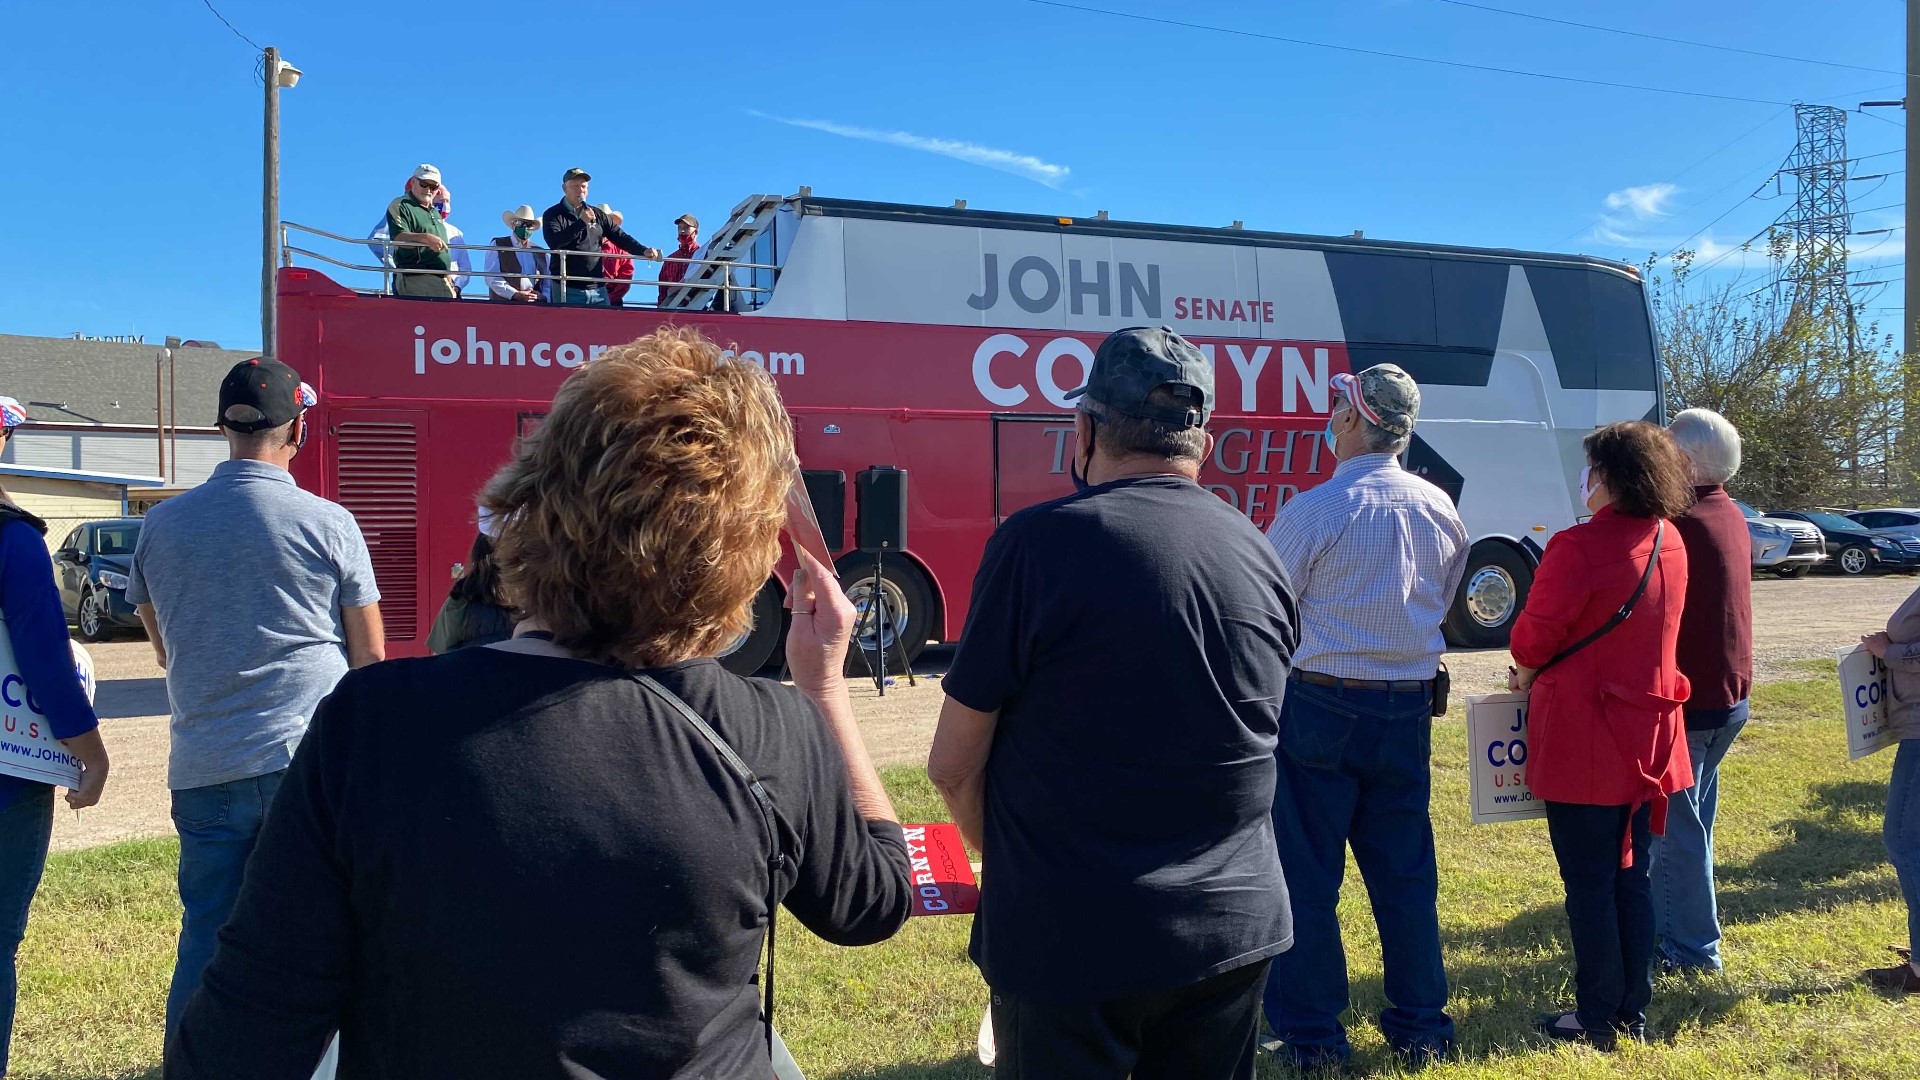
1670,40
230,26
1729,212
1402,56
1865,113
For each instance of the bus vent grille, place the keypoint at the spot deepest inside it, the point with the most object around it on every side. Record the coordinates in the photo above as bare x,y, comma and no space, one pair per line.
378,480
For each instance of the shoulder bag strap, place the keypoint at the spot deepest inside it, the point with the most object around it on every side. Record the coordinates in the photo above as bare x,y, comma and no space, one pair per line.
1626,609
776,859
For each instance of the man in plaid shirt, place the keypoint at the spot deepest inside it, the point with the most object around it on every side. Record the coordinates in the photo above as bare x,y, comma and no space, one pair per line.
1375,554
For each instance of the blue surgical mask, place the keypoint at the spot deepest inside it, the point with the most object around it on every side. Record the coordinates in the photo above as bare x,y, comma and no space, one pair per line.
1329,433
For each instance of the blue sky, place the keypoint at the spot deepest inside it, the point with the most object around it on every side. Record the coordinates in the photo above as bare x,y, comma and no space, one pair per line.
142,119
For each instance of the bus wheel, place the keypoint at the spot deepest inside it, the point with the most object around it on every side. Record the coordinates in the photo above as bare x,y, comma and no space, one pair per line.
756,647
1491,594
908,600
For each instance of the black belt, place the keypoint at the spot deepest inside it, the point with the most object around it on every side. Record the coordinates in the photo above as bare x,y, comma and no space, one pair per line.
1314,678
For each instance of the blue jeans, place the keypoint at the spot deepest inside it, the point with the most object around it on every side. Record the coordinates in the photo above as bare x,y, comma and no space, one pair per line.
591,296
1686,920
1609,909
1354,769
218,825
1901,830
25,827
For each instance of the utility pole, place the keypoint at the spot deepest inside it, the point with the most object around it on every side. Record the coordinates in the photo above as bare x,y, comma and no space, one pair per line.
1910,312
270,208
1910,318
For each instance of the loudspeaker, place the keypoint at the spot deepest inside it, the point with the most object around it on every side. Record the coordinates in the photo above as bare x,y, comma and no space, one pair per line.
827,490
882,494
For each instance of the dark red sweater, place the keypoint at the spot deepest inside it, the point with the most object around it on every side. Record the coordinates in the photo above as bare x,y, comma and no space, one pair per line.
1716,627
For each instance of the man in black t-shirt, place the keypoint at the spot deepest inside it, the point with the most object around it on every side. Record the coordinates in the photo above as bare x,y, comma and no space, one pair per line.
1107,744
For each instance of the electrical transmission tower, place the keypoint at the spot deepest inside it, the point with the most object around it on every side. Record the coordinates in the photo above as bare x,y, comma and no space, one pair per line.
1819,222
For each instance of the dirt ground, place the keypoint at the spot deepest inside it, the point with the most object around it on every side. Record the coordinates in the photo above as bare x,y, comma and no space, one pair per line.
1793,621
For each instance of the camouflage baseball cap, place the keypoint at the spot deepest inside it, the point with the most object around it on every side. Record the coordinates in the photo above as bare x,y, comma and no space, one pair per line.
1132,363
1385,395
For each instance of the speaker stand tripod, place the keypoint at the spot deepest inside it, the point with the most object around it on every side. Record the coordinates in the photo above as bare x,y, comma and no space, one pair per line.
883,628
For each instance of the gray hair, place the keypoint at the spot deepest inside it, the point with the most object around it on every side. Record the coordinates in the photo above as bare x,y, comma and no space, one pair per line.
1710,442
1122,434
1378,440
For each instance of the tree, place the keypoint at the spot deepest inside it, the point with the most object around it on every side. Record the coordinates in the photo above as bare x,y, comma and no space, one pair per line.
1817,395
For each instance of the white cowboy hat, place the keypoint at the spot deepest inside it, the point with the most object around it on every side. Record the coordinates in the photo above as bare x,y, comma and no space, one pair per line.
515,217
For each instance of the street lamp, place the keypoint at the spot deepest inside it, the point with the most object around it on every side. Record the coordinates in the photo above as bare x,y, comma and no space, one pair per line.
276,73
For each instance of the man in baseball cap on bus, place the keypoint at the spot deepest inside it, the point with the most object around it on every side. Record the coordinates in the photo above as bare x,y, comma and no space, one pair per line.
257,597
1108,744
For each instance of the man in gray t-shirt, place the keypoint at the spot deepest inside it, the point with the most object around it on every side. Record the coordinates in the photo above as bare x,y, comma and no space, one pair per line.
257,596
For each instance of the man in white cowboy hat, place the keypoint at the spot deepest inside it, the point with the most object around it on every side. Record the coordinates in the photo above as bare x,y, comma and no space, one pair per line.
516,261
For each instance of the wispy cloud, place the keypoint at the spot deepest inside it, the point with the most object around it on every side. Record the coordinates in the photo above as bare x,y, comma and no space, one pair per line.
1626,215
1036,169
1644,202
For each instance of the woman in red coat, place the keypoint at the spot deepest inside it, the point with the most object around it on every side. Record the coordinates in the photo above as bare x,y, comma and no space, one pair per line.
1606,736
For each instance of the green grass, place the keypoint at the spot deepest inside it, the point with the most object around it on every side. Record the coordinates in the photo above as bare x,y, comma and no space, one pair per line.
1805,890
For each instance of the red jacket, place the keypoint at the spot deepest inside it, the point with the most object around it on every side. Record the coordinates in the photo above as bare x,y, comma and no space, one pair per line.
621,267
1605,725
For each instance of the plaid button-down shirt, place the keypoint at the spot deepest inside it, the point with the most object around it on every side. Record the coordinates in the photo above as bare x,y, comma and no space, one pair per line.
1375,554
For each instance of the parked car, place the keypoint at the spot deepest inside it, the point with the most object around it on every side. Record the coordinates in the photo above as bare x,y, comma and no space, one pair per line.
1771,543
1856,549
1892,521
92,566
1806,550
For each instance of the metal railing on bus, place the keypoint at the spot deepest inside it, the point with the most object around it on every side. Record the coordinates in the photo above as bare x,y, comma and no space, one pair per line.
724,289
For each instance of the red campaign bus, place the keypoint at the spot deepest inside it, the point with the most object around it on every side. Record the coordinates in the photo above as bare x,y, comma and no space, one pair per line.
941,341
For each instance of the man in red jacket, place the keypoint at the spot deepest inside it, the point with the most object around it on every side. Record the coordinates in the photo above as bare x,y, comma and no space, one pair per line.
1716,656
672,272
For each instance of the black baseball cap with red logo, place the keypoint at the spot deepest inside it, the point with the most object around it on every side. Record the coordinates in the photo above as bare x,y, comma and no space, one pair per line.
262,394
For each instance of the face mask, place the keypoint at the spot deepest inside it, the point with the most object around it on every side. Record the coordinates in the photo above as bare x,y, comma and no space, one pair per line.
521,232
1073,466
1331,438
1586,482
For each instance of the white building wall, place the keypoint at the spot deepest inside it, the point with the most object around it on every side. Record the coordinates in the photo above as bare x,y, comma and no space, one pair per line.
108,451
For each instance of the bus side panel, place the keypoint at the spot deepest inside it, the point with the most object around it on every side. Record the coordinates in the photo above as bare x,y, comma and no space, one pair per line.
378,468
949,511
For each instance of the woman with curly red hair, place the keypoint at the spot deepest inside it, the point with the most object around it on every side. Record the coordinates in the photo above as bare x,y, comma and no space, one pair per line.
558,856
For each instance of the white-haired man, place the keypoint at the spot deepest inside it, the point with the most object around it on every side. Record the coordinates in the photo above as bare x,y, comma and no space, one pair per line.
1375,553
1716,655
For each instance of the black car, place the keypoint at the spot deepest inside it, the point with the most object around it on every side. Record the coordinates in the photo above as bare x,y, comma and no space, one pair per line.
1855,549
92,566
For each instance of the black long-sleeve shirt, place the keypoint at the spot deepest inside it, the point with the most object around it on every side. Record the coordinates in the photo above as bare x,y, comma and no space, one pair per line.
495,865
566,230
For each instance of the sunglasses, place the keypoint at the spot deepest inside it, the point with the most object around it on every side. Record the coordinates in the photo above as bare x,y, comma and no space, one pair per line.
430,185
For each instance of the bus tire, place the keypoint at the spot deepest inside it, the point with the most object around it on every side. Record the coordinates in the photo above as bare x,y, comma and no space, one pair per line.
756,648
1491,595
909,598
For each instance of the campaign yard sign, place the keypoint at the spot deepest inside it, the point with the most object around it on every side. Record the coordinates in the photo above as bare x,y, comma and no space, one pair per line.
1497,753
1863,693
27,746
942,878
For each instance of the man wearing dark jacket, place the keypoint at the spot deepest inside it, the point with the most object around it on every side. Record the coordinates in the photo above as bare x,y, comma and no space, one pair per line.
571,225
